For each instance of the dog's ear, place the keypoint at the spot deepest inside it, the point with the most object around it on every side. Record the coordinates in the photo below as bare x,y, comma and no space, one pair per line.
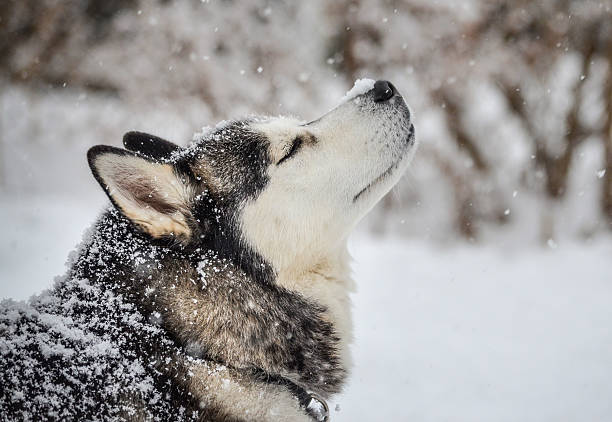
151,194
149,145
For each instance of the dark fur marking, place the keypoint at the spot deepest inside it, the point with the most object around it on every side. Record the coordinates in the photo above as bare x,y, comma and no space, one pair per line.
149,145
141,295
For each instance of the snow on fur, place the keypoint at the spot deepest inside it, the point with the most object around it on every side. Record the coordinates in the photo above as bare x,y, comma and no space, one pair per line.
79,332
71,353
361,86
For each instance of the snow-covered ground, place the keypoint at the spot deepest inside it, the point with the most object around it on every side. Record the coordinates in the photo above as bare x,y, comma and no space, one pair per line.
479,334
457,333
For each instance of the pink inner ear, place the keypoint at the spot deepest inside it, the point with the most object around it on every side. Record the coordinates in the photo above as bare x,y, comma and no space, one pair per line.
144,191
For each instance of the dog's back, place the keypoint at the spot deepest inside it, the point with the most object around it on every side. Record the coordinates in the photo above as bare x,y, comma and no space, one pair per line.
79,352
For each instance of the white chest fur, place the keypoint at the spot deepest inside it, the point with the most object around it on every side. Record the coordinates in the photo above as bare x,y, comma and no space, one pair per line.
330,287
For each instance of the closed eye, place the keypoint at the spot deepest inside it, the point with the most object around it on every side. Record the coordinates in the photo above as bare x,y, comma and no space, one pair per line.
297,143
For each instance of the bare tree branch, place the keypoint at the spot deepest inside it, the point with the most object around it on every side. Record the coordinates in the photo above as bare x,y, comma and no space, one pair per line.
462,137
556,166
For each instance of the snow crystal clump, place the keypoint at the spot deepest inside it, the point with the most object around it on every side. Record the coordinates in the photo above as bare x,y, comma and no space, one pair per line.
201,268
203,134
361,86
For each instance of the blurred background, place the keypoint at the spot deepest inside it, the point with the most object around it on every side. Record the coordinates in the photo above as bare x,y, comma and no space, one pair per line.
513,99
492,257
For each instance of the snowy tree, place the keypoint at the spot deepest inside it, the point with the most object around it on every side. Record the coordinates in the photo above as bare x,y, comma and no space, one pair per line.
512,99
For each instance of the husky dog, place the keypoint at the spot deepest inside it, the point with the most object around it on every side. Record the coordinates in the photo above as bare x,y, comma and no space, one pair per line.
216,288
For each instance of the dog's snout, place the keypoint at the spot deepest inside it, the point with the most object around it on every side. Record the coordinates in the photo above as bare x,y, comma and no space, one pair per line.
383,91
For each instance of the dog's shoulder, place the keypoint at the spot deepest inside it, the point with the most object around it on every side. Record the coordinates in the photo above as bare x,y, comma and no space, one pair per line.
75,352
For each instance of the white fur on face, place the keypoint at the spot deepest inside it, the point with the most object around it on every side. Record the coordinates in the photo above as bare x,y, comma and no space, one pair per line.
300,222
350,158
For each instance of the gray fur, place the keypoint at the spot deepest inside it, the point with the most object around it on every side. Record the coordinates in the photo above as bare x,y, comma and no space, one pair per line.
143,324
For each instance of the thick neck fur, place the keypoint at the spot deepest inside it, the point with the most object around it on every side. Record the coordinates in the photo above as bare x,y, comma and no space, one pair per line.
309,257
328,282
210,305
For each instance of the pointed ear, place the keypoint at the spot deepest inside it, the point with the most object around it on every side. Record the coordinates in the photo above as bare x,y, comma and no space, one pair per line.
149,145
151,194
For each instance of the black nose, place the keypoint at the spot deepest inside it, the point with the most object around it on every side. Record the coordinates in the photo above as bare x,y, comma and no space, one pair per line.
383,91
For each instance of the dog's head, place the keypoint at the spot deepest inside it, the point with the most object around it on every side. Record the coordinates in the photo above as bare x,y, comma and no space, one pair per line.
289,191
